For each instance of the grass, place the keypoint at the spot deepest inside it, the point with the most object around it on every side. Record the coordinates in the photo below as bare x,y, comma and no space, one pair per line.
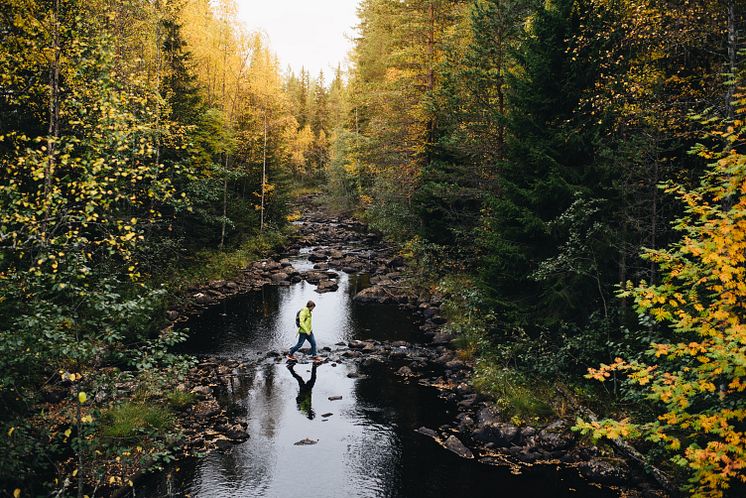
130,420
520,398
214,264
179,400
306,189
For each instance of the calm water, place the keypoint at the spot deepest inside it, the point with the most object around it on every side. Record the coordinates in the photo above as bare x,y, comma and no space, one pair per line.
367,447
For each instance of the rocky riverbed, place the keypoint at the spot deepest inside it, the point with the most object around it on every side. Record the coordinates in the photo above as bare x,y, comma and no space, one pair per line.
330,245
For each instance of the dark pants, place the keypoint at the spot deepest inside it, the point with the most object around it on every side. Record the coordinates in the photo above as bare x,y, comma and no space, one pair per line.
301,339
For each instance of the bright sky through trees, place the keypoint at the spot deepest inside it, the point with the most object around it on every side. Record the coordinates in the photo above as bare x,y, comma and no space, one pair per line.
315,34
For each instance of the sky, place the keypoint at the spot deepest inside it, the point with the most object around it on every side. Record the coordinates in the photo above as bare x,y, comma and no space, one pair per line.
311,33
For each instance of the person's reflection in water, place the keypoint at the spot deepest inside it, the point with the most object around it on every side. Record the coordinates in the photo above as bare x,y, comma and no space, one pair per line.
304,391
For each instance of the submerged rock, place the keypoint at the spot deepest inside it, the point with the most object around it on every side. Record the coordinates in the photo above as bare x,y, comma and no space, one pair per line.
306,442
426,431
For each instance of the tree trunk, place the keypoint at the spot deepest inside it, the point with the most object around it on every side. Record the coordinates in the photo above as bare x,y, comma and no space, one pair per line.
430,72
654,218
264,172
732,42
53,130
225,203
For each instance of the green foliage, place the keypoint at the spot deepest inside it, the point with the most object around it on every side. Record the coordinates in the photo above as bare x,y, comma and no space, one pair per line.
25,455
67,320
545,157
391,214
344,183
448,204
694,373
113,175
205,265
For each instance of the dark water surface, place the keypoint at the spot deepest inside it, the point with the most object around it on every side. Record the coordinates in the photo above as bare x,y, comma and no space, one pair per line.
367,447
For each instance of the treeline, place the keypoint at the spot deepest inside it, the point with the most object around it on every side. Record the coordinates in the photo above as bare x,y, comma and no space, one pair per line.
136,139
524,144
319,109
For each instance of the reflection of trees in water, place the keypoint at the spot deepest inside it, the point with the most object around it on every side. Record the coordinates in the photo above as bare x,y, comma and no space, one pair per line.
227,468
233,394
266,402
357,282
373,459
251,465
237,324
390,410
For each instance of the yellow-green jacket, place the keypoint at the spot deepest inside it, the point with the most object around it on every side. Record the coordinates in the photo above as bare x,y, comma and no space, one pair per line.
305,321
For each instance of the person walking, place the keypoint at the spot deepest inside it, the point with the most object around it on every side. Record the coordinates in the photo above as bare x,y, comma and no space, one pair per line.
305,333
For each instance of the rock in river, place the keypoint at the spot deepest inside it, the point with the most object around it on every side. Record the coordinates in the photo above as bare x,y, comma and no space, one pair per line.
605,470
426,431
327,286
455,445
306,442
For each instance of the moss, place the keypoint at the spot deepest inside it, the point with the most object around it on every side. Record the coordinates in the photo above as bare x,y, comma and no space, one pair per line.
130,420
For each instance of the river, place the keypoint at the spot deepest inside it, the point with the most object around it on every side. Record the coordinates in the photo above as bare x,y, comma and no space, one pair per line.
365,442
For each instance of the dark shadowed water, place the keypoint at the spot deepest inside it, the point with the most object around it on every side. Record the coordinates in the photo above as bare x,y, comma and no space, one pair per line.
367,447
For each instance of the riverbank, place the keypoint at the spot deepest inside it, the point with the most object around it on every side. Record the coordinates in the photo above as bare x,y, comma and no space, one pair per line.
478,430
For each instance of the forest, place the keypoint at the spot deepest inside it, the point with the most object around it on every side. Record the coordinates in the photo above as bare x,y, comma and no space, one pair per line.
570,175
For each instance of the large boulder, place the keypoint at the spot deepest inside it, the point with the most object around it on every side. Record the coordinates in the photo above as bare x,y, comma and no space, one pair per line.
327,286
314,277
374,294
556,436
317,257
202,298
605,470
206,409
278,278
491,429
442,338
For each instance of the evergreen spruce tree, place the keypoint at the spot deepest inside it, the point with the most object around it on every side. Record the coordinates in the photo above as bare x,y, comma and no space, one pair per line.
545,160
471,107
